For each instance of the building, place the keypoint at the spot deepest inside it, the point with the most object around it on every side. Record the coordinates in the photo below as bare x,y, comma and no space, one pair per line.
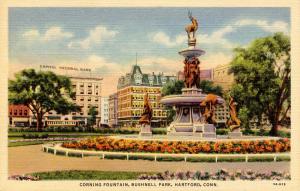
19,116
204,75
104,110
131,90
88,94
222,78
113,110
222,113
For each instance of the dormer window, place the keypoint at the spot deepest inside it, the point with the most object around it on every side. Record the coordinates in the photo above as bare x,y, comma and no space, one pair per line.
163,79
151,79
138,78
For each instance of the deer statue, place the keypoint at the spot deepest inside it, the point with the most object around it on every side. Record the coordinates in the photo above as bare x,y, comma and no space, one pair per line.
191,27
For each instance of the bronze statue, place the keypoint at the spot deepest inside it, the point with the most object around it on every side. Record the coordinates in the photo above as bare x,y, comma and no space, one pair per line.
191,28
147,113
208,108
191,72
233,122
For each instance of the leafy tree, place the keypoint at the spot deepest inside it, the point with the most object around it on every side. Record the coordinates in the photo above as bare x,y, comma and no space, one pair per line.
172,88
92,116
209,87
42,92
262,74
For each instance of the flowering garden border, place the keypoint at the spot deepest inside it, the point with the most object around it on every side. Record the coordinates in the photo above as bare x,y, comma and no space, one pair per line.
57,149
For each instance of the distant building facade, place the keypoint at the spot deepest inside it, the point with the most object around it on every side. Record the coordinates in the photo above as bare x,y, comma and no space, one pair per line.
131,90
19,116
222,77
113,110
88,94
204,75
104,110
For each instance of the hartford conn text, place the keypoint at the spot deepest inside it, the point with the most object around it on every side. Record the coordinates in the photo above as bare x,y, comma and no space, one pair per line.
148,184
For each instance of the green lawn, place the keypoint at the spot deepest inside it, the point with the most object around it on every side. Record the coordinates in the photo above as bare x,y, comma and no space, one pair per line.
25,143
88,175
28,143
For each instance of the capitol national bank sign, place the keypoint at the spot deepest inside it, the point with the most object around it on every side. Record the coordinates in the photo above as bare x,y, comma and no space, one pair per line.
70,68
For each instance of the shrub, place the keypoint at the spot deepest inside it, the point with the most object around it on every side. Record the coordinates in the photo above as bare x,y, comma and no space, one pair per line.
201,159
283,158
231,159
121,157
169,158
261,159
140,157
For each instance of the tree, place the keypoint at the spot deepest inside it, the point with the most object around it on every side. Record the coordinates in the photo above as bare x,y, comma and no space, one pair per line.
42,92
172,88
262,74
92,116
209,87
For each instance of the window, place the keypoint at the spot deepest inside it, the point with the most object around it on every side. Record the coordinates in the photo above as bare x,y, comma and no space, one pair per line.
20,112
81,99
89,99
15,112
25,112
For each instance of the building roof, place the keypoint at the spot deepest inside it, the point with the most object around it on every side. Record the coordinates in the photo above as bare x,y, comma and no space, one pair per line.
137,78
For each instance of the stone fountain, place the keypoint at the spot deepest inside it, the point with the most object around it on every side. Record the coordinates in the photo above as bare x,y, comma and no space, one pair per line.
194,109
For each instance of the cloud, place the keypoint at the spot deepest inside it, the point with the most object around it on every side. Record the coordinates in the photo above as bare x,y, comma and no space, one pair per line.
164,39
96,36
218,37
31,34
276,26
160,64
212,60
56,33
51,34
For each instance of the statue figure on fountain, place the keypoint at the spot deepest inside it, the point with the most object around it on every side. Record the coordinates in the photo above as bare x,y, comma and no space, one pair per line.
146,117
233,122
191,28
208,106
191,72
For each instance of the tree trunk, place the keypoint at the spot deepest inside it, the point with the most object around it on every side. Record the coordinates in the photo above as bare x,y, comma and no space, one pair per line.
274,129
39,122
274,122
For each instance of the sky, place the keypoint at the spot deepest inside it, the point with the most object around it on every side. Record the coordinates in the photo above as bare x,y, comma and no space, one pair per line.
107,40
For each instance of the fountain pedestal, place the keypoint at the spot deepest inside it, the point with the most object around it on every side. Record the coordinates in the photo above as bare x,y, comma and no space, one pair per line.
235,134
189,120
145,130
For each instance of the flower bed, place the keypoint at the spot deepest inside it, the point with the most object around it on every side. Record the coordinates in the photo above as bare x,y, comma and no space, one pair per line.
191,147
219,175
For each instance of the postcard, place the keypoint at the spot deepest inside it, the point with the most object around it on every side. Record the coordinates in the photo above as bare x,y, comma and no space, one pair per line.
149,95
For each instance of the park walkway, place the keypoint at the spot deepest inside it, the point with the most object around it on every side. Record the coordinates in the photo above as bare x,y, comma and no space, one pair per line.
28,159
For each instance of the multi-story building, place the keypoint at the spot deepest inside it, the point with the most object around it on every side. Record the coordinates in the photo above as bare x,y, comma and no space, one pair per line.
19,116
222,78
206,74
222,113
104,110
88,94
113,110
131,90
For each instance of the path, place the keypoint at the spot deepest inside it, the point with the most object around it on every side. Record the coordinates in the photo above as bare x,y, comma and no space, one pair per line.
27,159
